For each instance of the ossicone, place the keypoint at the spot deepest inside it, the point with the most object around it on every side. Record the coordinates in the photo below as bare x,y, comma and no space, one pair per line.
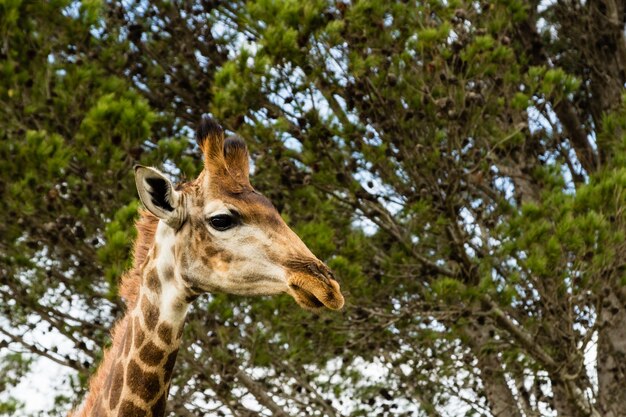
210,138
236,155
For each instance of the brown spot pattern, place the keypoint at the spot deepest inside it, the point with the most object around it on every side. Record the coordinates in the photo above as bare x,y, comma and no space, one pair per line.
139,334
210,251
150,313
169,365
168,274
158,409
153,282
118,384
128,409
151,355
145,384
165,332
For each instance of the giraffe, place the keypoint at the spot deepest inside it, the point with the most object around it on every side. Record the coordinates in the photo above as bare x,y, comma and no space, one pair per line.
213,234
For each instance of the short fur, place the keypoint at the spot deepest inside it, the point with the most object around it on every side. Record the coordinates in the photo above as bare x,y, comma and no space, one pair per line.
129,291
146,227
237,159
210,138
225,178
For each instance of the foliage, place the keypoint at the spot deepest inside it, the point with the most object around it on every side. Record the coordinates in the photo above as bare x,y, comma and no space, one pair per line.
458,164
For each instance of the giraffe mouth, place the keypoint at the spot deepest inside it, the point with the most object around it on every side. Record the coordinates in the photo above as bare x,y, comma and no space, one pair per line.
314,294
305,298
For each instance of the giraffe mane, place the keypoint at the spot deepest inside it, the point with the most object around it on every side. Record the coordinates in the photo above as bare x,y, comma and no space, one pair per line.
129,290
146,228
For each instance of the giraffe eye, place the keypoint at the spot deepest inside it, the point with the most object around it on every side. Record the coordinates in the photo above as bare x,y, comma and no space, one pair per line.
222,222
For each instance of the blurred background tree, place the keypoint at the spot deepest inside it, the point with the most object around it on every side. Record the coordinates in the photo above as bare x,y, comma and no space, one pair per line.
459,164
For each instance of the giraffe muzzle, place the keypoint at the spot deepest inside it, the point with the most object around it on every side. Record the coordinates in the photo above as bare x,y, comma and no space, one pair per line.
314,287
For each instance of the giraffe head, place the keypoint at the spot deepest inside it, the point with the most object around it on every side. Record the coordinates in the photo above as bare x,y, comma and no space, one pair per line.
229,238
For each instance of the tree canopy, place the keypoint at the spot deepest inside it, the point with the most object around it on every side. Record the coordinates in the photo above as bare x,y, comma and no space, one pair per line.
459,165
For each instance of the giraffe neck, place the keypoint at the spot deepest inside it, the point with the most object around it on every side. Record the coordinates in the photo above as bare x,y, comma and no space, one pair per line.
139,378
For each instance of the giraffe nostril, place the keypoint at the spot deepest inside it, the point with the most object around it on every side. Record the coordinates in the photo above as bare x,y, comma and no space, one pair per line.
322,272
314,268
329,274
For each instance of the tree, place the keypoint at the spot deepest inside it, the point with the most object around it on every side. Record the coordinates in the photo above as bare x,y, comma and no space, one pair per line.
460,166
70,134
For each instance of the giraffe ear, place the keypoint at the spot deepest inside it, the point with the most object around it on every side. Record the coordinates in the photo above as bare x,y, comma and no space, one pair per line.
158,195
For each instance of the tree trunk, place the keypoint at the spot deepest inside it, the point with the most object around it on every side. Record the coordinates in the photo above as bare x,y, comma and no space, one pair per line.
563,403
612,358
501,401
